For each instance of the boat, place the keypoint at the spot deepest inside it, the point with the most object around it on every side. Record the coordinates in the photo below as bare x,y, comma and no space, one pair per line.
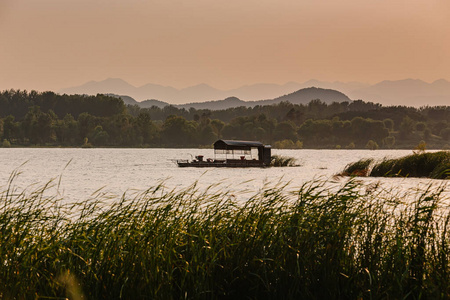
233,154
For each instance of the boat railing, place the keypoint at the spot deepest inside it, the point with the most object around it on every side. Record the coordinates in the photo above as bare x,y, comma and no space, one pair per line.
182,160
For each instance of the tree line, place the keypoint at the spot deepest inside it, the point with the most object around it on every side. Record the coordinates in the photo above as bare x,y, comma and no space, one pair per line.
49,119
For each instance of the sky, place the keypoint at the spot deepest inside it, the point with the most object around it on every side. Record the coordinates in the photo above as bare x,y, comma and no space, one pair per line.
54,44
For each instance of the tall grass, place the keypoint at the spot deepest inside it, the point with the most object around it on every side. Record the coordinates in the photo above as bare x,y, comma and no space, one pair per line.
434,165
431,164
350,242
359,168
282,161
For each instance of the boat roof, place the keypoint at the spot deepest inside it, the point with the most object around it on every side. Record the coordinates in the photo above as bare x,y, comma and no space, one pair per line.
242,145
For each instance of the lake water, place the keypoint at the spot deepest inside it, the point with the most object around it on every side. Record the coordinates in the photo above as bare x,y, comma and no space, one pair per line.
81,172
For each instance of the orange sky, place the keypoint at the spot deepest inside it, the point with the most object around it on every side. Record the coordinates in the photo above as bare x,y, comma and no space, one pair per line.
52,44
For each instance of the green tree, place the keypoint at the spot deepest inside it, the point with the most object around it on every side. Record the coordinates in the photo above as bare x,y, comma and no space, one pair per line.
285,131
217,126
146,128
372,145
230,131
284,144
10,128
67,131
427,134
99,136
44,127
389,141
420,126
389,124
177,131
445,133
406,127
207,135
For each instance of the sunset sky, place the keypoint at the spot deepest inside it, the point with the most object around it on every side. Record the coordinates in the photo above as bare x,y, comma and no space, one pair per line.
53,44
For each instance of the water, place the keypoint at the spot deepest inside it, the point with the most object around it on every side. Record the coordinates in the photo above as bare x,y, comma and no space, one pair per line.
79,173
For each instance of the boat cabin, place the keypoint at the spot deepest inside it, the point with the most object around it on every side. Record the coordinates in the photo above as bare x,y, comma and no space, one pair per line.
230,153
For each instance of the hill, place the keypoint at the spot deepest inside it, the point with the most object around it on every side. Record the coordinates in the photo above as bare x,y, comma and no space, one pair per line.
302,96
407,92
199,93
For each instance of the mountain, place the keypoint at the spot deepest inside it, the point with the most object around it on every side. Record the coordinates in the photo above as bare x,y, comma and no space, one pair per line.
409,92
118,86
143,104
302,96
260,91
199,93
152,102
126,99
155,91
344,87
107,86
216,105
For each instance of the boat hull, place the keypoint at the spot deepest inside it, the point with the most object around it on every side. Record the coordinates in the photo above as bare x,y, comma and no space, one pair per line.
222,164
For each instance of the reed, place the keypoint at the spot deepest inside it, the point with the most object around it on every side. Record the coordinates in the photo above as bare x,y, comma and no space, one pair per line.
283,161
316,242
434,165
359,168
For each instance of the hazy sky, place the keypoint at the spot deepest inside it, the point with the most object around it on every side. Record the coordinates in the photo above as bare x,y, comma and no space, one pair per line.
52,44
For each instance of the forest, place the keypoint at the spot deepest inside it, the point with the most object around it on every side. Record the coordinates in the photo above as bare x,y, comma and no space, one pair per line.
47,119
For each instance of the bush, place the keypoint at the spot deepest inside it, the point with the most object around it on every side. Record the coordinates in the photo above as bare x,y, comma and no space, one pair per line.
372,145
350,146
6,144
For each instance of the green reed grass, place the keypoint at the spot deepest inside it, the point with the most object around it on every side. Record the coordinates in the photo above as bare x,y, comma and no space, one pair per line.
431,164
283,161
359,168
435,165
316,242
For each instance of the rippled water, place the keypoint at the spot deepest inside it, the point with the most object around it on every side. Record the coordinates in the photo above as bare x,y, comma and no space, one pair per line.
81,172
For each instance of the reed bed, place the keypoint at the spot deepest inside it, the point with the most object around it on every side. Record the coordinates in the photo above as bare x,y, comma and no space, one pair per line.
431,164
316,242
435,165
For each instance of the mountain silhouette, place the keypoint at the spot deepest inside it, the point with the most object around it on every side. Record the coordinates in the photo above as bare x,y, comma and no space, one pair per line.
197,93
302,96
408,92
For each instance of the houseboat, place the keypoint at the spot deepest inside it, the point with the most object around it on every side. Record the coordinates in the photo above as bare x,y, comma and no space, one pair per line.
233,154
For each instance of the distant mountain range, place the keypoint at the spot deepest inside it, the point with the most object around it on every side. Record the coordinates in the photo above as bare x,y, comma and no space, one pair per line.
409,92
302,96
